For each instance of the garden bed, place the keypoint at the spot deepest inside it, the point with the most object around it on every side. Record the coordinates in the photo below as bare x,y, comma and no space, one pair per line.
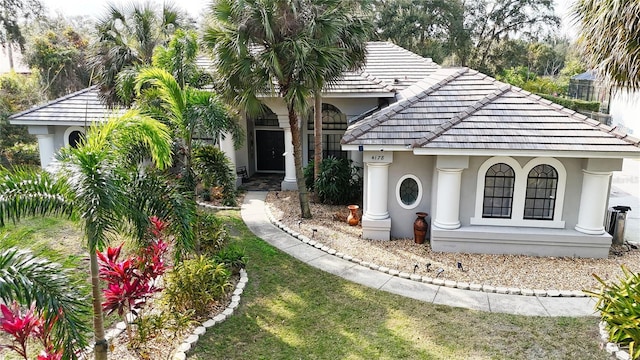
561,273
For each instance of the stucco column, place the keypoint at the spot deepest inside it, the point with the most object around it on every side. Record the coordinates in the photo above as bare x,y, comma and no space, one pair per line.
289,182
448,199
376,222
593,202
47,149
226,145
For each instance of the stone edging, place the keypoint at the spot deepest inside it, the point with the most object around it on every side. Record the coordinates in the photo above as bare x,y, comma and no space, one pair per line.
609,347
426,279
213,207
190,341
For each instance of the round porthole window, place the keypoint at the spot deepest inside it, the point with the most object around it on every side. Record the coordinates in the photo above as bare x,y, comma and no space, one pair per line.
409,191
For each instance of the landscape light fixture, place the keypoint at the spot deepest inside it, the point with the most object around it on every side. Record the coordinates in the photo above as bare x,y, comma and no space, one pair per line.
314,231
299,223
415,267
439,271
460,266
428,264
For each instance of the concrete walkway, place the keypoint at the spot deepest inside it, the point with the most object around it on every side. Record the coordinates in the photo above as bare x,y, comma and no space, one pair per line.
254,215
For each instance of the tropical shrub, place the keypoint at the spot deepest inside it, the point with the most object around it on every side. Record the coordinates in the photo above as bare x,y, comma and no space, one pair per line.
215,169
339,181
26,326
619,306
211,232
232,257
196,284
150,325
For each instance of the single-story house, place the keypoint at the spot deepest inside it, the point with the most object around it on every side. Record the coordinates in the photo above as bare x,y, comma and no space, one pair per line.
498,169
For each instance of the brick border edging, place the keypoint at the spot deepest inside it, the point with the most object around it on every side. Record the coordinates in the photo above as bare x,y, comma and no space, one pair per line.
425,279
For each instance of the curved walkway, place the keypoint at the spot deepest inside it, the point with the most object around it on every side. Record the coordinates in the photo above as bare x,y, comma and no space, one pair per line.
254,215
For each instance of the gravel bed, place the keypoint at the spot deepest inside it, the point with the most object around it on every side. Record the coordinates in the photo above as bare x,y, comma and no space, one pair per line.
519,271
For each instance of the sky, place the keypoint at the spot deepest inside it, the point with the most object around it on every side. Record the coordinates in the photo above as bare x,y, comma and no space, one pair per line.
94,8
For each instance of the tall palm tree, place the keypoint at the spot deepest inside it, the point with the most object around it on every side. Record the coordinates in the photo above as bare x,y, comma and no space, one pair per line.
608,35
127,37
93,180
289,47
30,280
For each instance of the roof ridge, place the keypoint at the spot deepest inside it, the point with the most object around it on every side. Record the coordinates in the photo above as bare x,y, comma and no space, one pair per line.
368,76
426,59
54,101
613,130
442,128
393,109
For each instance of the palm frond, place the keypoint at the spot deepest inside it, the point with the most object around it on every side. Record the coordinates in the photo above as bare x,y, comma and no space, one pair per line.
27,279
31,192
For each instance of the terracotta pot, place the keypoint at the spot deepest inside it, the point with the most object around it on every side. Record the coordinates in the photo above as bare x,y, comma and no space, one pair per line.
420,228
353,219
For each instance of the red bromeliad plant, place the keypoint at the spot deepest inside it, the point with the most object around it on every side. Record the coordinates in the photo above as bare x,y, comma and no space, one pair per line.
23,327
130,282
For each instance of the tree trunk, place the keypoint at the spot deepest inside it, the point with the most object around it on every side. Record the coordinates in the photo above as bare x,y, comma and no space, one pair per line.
297,156
317,135
101,347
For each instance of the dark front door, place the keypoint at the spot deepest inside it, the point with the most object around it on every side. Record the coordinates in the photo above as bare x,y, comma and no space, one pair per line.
269,148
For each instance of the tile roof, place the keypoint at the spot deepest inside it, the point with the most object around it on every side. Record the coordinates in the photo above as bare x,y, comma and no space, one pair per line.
388,68
81,107
465,109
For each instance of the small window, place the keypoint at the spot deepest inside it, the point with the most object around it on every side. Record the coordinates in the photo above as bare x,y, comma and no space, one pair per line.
540,199
498,192
330,146
75,137
409,191
267,119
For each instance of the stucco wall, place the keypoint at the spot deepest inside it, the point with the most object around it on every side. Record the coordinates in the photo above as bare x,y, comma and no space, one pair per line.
571,197
422,167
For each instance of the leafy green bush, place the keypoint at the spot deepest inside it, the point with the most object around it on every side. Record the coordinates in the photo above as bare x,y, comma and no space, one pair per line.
232,257
196,284
619,305
211,233
573,104
339,181
215,169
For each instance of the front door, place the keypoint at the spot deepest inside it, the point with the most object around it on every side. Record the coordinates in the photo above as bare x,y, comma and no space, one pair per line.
269,150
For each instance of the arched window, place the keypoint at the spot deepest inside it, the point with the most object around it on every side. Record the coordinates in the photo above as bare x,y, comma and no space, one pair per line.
540,199
334,123
498,192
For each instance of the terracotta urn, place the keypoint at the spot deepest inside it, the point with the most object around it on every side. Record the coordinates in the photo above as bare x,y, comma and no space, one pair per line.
353,219
420,227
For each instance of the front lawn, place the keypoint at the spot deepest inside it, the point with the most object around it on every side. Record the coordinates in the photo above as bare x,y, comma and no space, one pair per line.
290,310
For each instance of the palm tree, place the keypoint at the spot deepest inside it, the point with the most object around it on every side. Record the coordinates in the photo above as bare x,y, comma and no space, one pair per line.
286,46
188,111
127,37
609,34
93,180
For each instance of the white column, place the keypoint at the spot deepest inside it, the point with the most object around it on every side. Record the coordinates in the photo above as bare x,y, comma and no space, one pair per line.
376,222
226,145
47,149
448,199
377,186
593,202
289,182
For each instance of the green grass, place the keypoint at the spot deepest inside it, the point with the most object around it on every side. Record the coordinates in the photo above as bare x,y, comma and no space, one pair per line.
290,310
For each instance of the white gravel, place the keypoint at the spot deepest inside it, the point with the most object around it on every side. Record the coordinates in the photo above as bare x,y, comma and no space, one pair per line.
509,271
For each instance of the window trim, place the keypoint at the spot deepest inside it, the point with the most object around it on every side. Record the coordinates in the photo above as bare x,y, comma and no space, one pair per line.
519,193
71,129
512,188
418,197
